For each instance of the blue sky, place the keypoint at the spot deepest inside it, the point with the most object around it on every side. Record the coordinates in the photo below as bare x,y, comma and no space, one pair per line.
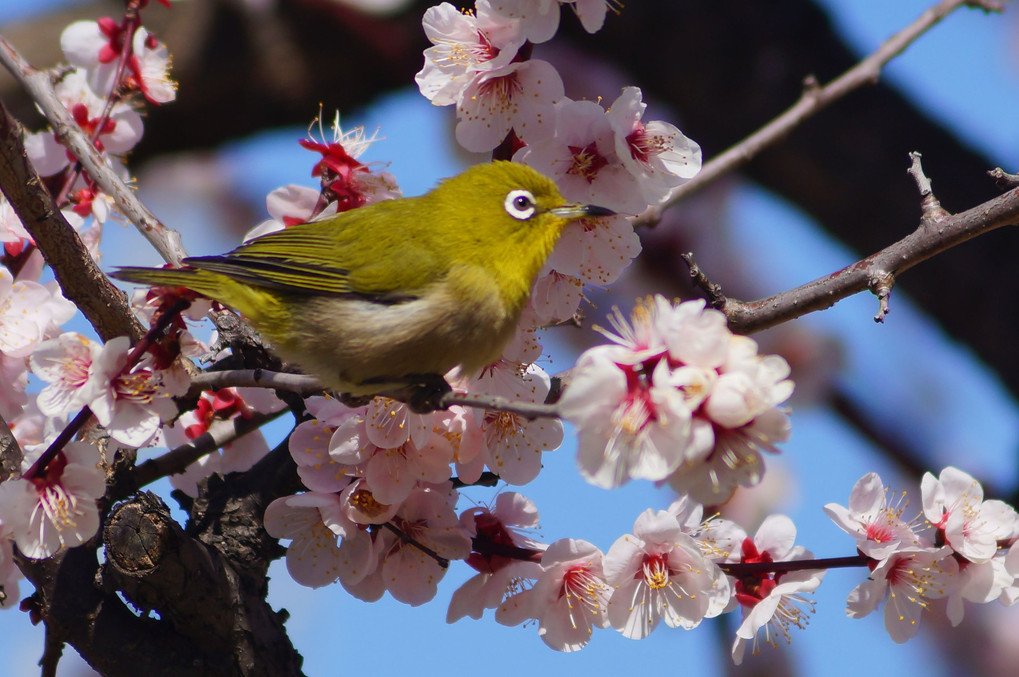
961,71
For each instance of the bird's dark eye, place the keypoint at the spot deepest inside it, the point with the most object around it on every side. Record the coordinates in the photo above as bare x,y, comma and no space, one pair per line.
520,204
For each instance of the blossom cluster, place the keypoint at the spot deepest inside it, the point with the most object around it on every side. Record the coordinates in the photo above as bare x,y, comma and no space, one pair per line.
677,397
675,567
962,548
381,462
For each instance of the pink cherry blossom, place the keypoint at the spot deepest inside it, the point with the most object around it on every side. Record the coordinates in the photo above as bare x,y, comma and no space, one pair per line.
656,153
338,445
679,398
11,229
581,158
460,430
954,503
632,424
351,183
348,182
130,405
23,315
906,581
520,96
513,444
539,19
1010,594
874,520
979,583
150,68
660,574
556,297
65,364
392,473
719,539
287,205
773,601
13,398
569,599
312,444
360,506
116,133
314,521
426,518
592,12
390,423
96,46
596,250
498,576
465,45
57,509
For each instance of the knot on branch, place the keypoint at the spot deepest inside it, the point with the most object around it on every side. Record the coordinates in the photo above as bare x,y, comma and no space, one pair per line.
199,597
880,285
1003,180
138,535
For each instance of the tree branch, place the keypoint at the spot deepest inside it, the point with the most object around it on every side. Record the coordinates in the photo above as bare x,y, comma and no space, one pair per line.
219,434
254,378
302,383
66,594
875,271
195,589
79,277
815,98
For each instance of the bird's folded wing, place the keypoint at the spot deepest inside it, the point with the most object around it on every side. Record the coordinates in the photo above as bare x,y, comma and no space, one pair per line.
314,259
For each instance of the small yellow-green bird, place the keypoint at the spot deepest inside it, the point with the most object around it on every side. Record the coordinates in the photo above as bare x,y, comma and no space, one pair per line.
397,293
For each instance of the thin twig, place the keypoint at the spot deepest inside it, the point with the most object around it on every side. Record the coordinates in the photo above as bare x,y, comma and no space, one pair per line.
487,479
930,206
754,568
57,445
920,245
713,291
488,547
301,383
529,410
40,86
816,98
254,378
219,434
442,561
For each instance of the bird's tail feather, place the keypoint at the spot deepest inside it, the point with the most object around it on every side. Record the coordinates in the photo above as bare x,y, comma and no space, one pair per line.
251,302
208,284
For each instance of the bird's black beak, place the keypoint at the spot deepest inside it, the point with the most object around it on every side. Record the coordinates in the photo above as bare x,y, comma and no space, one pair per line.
580,211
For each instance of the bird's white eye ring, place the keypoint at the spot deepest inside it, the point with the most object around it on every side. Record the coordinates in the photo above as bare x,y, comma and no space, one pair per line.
520,204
